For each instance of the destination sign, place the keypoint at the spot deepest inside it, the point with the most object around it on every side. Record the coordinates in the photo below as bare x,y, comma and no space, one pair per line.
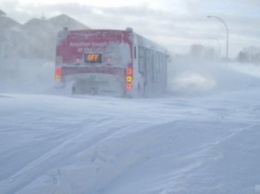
93,58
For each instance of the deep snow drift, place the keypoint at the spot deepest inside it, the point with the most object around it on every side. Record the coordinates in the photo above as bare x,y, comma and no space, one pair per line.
202,137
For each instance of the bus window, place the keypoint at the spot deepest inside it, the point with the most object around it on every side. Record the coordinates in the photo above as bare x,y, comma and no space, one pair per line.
141,60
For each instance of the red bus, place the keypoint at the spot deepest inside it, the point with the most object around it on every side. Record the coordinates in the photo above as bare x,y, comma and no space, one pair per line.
110,62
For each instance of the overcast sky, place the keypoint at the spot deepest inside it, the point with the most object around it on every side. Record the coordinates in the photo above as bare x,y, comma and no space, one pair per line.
175,24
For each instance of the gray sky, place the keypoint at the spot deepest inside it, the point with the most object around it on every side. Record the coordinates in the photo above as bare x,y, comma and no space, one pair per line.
175,24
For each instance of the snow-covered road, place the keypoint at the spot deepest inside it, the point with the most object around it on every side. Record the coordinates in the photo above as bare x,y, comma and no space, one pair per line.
76,144
177,144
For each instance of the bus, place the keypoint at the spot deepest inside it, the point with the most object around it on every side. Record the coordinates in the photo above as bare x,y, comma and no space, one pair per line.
110,62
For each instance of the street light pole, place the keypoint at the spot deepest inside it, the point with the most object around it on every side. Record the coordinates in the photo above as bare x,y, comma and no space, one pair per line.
227,32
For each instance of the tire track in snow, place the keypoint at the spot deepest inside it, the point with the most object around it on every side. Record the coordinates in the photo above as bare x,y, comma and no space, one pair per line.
57,156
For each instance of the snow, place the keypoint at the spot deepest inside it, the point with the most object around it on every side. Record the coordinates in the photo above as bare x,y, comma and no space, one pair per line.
202,137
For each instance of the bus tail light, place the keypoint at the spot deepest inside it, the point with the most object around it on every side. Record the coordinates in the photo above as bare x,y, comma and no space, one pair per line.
58,74
129,71
129,86
58,71
129,78
57,78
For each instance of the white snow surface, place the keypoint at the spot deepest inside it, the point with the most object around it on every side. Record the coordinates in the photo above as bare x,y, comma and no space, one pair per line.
200,138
